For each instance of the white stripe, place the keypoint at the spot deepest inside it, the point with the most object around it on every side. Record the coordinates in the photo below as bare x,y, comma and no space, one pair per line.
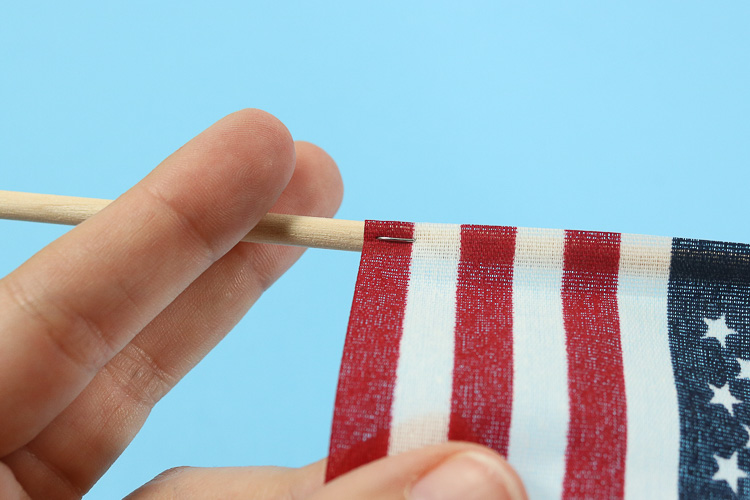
539,422
424,375
653,452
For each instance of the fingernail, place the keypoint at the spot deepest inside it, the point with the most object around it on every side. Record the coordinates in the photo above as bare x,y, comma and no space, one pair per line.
468,476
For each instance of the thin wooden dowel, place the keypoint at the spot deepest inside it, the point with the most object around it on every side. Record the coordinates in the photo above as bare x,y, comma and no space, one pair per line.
280,229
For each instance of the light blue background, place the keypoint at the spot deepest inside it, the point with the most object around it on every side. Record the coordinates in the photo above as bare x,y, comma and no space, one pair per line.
631,117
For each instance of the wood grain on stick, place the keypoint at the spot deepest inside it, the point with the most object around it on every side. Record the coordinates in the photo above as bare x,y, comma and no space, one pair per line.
280,229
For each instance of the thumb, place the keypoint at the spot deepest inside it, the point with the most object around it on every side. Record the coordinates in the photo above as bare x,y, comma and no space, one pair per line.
450,471
247,483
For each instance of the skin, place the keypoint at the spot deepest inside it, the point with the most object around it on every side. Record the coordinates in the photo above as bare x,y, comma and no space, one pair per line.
102,323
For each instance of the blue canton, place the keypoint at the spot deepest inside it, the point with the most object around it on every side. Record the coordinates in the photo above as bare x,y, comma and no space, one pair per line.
709,334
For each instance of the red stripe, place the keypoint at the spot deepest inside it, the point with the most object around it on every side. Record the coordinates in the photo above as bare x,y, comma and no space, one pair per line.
362,415
597,434
483,366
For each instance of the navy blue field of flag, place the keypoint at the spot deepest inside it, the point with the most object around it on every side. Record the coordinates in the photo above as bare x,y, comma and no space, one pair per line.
709,333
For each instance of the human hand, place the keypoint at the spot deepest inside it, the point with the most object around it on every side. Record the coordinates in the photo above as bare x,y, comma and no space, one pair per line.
449,471
102,323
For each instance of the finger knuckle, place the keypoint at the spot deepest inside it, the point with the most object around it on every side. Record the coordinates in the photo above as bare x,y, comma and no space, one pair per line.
139,375
75,336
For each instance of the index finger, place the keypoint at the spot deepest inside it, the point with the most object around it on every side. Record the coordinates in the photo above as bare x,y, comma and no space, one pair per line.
70,308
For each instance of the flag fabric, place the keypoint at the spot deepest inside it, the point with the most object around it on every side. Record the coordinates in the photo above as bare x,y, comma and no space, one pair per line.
602,365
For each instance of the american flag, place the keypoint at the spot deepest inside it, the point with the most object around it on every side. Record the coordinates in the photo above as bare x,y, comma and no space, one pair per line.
602,365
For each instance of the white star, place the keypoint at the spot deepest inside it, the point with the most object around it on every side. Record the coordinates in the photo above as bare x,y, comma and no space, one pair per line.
718,329
723,397
729,471
744,368
747,429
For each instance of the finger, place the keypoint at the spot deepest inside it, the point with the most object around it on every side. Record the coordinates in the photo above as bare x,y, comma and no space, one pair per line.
450,471
9,487
71,307
78,446
247,483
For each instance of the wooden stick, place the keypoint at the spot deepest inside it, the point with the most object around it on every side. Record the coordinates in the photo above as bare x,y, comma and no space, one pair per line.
280,229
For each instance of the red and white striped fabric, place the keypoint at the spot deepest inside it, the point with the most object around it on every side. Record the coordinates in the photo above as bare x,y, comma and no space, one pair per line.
528,341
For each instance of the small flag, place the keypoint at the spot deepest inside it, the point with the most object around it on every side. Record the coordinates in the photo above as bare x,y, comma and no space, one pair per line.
602,365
